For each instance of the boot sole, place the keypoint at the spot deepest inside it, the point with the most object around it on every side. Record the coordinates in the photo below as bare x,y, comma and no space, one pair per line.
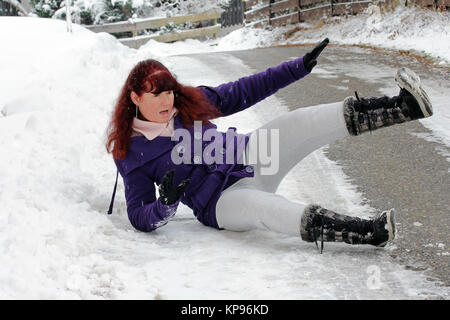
410,81
390,221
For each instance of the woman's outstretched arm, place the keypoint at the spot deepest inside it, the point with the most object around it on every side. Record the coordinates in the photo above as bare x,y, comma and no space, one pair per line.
239,95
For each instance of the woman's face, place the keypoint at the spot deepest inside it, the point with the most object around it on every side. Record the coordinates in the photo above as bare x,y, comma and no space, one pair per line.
154,107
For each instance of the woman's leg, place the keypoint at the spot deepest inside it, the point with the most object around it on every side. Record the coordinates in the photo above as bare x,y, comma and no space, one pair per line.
250,203
304,130
300,132
243,209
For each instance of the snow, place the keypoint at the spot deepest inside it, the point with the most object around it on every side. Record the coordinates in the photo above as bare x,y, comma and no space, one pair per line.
57,91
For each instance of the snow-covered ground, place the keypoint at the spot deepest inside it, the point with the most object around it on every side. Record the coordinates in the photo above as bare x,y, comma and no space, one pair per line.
57,91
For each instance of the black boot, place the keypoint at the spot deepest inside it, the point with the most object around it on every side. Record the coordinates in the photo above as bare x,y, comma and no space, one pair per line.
318,223
412,103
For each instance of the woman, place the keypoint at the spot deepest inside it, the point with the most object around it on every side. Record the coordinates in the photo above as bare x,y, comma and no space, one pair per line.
236,194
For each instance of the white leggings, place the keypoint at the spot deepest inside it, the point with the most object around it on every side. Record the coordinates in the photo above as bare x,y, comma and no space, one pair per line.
251,203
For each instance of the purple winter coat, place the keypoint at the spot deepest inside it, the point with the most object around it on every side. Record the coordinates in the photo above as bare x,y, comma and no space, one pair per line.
147,161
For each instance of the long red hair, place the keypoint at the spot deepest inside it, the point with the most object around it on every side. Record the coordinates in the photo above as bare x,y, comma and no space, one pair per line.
152,76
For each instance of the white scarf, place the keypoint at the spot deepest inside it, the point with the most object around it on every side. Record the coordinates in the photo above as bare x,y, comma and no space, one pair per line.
151,130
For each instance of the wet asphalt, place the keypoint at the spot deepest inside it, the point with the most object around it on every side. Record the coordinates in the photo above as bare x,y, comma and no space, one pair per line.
393,167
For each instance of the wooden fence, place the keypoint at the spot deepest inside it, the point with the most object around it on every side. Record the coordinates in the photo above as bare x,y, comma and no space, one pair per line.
433,4
134,26
282,12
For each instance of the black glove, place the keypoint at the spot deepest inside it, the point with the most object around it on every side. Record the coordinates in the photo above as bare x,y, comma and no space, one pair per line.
169,194
309,60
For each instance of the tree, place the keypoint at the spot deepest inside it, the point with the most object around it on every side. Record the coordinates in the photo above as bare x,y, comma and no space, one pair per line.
46,8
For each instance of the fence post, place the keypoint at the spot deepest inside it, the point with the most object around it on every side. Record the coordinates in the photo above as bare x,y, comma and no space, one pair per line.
299,4
134,34
214,23
270,12
134,31
233,14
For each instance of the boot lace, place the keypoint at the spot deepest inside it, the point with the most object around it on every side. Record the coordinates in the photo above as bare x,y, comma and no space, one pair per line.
361,227
321,235
363,110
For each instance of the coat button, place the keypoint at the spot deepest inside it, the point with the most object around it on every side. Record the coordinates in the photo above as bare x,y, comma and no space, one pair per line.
197,135
181,149
212,167
249,169
197,160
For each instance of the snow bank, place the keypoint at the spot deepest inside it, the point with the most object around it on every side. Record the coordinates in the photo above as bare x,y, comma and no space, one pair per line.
56,94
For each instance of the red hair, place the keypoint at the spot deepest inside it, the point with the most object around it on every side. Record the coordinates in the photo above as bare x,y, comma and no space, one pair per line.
152,76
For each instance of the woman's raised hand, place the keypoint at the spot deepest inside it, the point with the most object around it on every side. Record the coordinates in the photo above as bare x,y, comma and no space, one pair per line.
169,194
310,59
